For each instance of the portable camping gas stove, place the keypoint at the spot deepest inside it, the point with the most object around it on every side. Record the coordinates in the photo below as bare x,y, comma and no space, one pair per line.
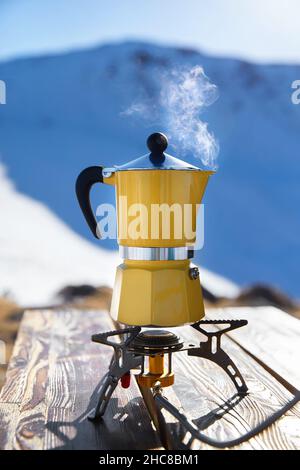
149,352
145,352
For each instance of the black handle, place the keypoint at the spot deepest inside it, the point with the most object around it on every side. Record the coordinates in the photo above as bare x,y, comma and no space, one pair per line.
84,183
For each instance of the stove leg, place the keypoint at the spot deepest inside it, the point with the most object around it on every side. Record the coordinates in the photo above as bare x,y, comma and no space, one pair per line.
157,417
211,349
121,363
106,392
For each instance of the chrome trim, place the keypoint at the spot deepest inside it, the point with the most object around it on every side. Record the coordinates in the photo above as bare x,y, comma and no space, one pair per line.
155,254
107,172
163,169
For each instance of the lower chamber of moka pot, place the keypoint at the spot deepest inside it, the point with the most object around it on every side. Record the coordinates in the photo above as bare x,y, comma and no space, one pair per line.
156,293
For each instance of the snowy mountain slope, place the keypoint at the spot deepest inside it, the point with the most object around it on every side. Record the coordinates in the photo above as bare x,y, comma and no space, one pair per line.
64,113
39,254
218,285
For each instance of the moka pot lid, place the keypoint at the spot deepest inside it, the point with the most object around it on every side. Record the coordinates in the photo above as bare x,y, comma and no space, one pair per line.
157,159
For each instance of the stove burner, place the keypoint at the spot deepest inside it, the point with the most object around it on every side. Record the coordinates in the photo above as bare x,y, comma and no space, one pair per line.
156,340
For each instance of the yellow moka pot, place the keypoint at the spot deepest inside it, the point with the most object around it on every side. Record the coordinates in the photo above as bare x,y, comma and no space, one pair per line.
157,199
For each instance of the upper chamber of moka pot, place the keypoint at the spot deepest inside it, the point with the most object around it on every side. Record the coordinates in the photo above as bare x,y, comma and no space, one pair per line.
158,197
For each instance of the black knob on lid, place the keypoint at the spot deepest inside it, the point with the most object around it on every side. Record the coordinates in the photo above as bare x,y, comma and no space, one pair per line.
157,143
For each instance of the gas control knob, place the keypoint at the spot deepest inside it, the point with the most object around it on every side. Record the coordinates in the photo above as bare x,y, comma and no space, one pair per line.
125,380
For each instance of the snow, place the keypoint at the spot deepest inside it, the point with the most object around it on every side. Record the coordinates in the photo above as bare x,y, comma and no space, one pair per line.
39,254
218,285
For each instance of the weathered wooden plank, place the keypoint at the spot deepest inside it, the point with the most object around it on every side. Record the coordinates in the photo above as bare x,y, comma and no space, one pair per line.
55,367
12,391
271,335
201,389
9,413
61,367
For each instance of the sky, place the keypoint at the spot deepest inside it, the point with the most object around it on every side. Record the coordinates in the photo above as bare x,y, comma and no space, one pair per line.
257,30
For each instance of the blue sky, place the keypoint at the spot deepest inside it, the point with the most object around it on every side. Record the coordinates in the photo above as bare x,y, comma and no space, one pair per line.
258,30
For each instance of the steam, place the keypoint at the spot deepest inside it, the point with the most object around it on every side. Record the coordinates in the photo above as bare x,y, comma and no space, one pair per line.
183,96
136,108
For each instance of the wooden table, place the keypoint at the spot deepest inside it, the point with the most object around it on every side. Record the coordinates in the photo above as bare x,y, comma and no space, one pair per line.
55,369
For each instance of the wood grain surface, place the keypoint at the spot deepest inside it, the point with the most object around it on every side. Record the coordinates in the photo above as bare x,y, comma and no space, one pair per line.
203,392
271,335
55,370
48,392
